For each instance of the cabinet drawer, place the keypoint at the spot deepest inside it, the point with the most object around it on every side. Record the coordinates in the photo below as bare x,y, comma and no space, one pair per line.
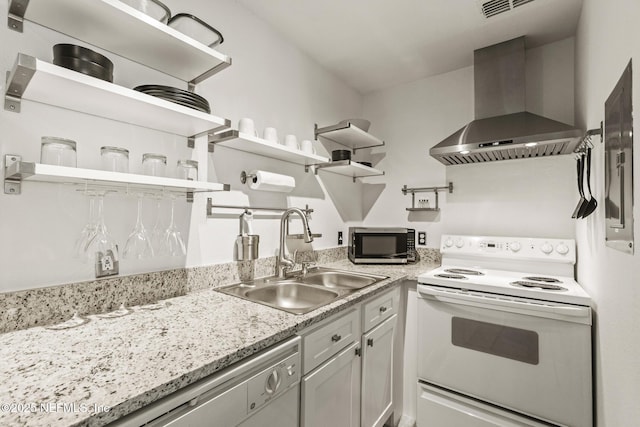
380,309
328,339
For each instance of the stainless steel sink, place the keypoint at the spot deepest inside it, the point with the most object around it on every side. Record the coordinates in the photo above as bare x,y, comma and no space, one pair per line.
301,293
292,296
339,279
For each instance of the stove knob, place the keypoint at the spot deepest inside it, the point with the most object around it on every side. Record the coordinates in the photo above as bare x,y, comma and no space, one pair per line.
459,243
562,249
448,243
515,246
546,248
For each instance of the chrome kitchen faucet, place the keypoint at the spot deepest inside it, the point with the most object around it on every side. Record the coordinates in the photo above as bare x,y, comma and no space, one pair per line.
285,263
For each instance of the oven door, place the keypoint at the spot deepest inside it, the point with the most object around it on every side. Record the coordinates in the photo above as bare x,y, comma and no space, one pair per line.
529,356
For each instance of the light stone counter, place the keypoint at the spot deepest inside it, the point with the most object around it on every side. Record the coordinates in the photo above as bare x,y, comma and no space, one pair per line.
65,378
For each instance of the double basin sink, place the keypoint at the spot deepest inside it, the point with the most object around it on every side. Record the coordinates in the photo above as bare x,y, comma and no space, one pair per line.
300,293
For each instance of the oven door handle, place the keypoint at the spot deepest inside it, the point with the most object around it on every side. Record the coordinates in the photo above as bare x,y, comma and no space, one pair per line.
580,314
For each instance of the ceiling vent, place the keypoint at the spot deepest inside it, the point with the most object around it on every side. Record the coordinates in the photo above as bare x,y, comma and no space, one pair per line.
495,7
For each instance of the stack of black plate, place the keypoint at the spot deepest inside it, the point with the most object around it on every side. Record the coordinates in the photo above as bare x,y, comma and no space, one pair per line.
178,96
83,60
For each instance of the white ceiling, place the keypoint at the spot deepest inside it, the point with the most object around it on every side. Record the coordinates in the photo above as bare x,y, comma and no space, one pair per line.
374,44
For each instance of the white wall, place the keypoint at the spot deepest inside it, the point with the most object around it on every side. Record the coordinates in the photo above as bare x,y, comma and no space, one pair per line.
533,198
607,38
411,118
269,80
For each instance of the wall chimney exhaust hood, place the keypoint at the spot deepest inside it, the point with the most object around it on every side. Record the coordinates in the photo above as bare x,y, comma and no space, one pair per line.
502,129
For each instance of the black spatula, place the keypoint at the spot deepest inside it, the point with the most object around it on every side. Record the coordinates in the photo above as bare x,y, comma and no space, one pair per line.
592,204
583,200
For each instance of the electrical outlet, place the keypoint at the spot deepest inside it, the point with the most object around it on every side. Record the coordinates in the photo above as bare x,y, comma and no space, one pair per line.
106,264
422,238
339,238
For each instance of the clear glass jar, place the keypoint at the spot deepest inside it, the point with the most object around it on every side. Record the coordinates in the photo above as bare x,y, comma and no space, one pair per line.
154,164
115,159
187,169
58,151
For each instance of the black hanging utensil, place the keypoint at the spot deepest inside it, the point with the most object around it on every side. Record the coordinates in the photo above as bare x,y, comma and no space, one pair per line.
580,170
592,204
585,201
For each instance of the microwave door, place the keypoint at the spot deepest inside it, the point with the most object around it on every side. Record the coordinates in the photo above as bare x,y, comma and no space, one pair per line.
379,246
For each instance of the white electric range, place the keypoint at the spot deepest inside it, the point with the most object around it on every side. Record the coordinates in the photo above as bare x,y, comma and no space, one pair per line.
504,335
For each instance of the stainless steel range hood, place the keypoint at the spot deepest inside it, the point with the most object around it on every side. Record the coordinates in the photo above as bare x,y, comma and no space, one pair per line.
502,129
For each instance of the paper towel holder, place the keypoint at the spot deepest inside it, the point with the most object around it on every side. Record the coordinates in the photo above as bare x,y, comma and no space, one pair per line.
244,176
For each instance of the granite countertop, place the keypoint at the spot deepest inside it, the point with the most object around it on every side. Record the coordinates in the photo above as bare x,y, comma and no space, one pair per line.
69,377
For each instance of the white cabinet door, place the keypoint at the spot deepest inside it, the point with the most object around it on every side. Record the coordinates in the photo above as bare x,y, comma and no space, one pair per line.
331,394
377,373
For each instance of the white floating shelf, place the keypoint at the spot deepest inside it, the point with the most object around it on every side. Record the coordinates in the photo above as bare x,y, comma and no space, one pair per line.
40,81
349,168
36,172
349,136
125,31
252,144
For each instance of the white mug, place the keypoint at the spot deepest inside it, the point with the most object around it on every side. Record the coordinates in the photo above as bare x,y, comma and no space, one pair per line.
246,125
307,147
291,141
271,135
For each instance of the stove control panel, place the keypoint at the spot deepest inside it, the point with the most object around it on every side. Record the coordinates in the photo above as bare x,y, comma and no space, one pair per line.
535,249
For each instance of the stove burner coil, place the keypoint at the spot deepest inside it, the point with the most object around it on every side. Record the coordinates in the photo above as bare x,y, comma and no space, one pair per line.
450,276
543,279
464,271
543,286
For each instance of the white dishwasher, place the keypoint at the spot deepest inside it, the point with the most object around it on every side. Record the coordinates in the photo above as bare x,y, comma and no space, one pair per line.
261,391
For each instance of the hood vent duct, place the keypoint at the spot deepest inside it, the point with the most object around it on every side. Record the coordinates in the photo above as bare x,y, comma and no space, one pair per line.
503,130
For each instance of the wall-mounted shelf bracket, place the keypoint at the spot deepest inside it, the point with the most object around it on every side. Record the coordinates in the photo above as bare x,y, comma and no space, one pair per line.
586,140
435,190
204,76
17,81
14,172
17,9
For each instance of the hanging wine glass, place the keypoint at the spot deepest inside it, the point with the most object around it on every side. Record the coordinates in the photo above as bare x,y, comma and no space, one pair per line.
138,245
102,248
173,243
157,232
87,232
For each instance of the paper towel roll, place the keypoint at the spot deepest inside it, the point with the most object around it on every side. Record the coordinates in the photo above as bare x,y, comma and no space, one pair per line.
269,181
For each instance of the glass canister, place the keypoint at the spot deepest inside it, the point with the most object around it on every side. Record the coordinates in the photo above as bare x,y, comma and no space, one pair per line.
115,159
58,151
187,169
154,164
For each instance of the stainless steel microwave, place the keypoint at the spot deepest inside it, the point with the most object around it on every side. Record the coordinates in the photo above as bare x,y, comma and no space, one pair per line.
382,245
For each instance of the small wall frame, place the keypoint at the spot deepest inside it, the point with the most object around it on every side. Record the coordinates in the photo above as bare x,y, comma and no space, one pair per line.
618,159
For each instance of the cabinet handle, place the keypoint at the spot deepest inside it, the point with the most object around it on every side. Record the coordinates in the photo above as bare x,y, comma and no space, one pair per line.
336,338
383,309
370,342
